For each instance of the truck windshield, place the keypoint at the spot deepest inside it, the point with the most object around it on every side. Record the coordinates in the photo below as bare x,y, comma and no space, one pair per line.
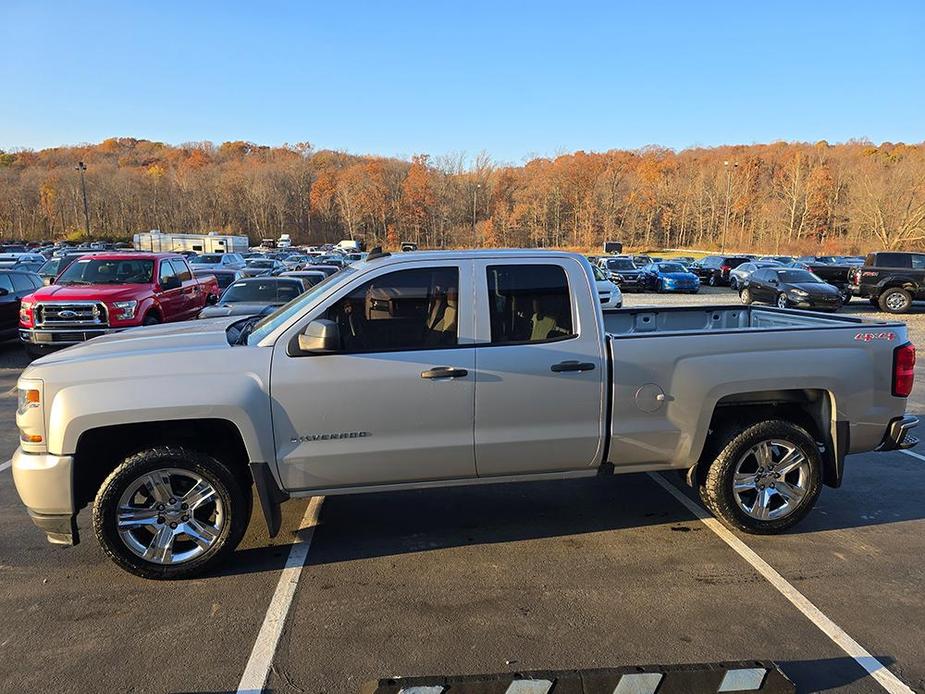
298,305
112,271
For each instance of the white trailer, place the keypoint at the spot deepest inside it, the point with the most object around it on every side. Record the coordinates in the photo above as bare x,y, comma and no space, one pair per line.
213,242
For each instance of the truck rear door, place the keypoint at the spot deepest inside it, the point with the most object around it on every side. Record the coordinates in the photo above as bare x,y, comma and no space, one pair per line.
541,372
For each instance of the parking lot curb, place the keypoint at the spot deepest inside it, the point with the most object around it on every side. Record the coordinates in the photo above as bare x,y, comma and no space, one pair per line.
740,676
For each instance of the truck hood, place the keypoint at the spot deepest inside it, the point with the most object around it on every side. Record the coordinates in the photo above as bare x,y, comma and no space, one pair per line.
90,292
169,337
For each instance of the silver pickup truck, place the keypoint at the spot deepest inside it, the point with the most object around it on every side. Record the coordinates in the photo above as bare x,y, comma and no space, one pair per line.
446,368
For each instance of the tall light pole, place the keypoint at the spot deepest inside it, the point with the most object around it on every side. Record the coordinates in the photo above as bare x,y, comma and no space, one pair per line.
81,167
475,192
722,245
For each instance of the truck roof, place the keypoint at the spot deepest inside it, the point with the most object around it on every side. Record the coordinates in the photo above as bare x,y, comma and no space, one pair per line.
475,254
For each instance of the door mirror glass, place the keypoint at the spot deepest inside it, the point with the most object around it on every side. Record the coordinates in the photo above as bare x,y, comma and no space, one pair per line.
4,292
320,336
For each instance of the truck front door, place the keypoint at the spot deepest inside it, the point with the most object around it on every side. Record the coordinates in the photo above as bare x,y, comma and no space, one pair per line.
541,374
394,402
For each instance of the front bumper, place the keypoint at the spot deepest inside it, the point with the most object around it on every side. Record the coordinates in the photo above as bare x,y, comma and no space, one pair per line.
45,486
61,337
898,436
669,286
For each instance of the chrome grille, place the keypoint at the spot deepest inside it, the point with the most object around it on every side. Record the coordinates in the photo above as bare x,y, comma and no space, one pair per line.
71,314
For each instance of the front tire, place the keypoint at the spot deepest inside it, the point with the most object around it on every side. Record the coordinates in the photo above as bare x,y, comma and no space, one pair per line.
151,319
895,300
712,280
733,283
765,479
170,512
746,296
782,301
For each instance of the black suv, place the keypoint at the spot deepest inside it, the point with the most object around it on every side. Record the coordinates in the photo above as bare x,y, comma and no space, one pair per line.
714,269
890,280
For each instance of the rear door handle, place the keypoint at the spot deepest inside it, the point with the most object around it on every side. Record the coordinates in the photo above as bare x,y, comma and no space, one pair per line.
572,366
444,372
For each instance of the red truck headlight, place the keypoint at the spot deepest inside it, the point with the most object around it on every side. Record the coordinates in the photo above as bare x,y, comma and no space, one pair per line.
903,370
26,313
125,310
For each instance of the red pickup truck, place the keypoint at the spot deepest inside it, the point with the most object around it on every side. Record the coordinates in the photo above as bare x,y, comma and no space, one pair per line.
106,292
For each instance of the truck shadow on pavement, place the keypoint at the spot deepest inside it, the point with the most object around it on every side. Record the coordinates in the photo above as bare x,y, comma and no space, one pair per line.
366,526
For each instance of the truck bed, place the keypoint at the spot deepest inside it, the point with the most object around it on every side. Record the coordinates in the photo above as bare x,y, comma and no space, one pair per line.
638,322
665,390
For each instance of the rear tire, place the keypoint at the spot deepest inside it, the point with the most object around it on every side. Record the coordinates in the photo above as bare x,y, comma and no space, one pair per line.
725,491
197,537
895,300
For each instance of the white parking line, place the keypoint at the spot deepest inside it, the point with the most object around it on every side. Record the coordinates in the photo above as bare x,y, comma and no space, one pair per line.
914,455
261,658
874,667
4,466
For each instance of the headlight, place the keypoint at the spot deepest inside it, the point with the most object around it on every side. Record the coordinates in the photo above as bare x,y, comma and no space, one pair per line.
799,292
25,312
126,309
28,398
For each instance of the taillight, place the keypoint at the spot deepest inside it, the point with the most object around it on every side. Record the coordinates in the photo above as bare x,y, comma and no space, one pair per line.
903,370
725,268
854,276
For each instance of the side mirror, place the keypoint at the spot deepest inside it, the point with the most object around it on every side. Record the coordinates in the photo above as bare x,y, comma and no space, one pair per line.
171,283
211,299
320,336
4,292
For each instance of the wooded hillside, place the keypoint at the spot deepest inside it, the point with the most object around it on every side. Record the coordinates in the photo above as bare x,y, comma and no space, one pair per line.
781,197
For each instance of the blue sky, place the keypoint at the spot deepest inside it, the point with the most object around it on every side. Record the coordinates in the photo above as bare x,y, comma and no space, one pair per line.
513,79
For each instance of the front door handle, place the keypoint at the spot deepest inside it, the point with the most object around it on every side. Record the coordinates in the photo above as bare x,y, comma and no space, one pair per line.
572,366
444,372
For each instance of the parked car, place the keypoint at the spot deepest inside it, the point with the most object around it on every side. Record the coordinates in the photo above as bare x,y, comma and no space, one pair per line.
256,267
890,280
607,290
107,292
15,285
382,379
683,259
714,269
223,278
624,272
834,271
309,278
738,275
669,277
10,260
296,261
56,265
789,288
326,269
255,296
641,260
231,261
782,259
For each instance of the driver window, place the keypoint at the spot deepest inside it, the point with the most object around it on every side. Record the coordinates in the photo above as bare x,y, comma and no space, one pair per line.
403,310
166,273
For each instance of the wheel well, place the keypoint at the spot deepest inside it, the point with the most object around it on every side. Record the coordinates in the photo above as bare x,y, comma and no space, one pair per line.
154,311
908,285
808,408
100,450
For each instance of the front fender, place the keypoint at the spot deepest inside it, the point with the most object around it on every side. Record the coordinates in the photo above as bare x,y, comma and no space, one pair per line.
91,405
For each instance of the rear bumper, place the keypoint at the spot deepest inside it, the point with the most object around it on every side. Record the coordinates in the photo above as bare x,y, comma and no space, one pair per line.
61,337
45,486
898,434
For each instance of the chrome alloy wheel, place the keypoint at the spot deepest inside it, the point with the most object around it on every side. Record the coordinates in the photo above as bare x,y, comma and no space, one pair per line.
170,516
771,480
782,301
896,301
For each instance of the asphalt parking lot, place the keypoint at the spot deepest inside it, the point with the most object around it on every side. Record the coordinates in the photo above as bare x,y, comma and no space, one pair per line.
589,573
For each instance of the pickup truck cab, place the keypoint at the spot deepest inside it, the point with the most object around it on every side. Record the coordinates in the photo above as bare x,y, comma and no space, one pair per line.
446,368
101,293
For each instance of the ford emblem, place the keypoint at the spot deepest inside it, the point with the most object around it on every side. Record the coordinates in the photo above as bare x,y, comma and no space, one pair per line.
67,313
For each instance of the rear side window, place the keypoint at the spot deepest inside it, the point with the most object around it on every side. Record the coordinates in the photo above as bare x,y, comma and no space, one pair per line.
735,262
918,262
5,283
529,303
900,260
